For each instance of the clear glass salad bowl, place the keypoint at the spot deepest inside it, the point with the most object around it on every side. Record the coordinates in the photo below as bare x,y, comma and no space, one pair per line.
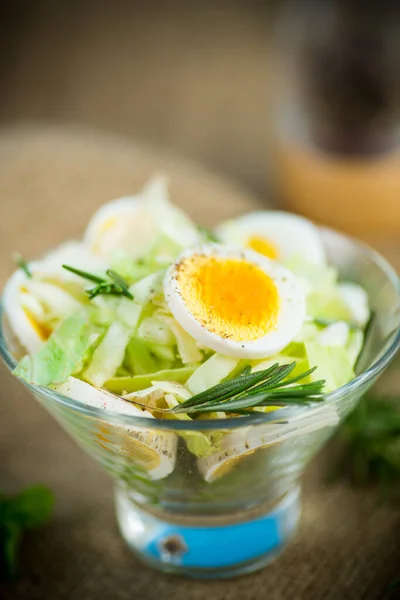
245,516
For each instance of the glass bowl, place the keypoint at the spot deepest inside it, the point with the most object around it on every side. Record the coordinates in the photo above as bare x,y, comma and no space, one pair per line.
180,518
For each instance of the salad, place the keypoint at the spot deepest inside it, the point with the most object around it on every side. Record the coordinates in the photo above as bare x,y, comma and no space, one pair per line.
153,316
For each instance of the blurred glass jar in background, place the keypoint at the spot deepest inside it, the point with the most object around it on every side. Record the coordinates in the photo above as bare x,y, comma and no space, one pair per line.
336,120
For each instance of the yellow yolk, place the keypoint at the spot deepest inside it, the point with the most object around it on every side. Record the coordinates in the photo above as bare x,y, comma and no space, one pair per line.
43,331
230,297
147,457
263,246
107,224
228,465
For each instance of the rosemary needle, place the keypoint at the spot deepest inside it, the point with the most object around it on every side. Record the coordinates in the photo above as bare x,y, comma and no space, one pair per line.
84,274
114,286
23,265
269,387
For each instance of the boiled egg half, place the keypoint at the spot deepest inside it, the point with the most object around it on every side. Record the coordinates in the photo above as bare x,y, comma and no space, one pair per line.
278,235
236,302
33,305
133,224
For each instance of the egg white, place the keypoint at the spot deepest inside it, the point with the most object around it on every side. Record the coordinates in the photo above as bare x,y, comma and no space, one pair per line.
114,225
41,294
291,235
291,310
73,253
239,444
132,224
14,301
130,440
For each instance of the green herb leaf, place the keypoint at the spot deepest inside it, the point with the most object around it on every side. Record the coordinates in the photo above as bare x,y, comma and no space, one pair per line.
22,264
120,282
10,536
208,234
269,387
27,510
32,507
60,356
84,274
114,286
228,388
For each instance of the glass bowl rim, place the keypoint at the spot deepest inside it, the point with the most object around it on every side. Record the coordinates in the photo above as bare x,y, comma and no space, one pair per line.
102,414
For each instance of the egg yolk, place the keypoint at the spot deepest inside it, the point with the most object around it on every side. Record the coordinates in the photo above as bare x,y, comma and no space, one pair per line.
107,224
230,297
42,330
263,246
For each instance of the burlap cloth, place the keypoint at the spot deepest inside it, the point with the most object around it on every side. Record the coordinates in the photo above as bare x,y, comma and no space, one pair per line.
348,546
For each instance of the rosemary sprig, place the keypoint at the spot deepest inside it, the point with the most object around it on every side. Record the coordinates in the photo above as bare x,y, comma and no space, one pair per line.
23,265
120,282
114,286
270,387
84,274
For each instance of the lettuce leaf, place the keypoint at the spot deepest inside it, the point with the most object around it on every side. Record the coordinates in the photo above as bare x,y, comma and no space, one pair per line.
138,358
328,304
187,347
334,364
324,298
60,356
211,372
121,385
109,354
132,270
354,345
198,443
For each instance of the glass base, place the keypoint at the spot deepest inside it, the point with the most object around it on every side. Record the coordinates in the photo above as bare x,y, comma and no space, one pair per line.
207,547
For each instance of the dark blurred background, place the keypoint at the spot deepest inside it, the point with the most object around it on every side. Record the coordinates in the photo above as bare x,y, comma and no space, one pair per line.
298,101
189,75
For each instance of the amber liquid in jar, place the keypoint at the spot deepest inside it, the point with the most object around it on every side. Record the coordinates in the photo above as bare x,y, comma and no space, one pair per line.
337,152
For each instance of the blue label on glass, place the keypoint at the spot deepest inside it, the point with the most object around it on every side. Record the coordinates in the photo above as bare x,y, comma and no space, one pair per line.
216,547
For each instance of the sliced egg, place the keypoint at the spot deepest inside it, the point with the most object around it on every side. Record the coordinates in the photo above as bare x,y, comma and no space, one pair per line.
33,305
236,302
278,235
240,444
152,450
133,224
24,313
115,226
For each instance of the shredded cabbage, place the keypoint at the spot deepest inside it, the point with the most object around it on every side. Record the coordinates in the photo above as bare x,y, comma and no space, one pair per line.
156,331
136,348
333,364
138,358
144,290
122,385
211,372
109,354
187,347
60,356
